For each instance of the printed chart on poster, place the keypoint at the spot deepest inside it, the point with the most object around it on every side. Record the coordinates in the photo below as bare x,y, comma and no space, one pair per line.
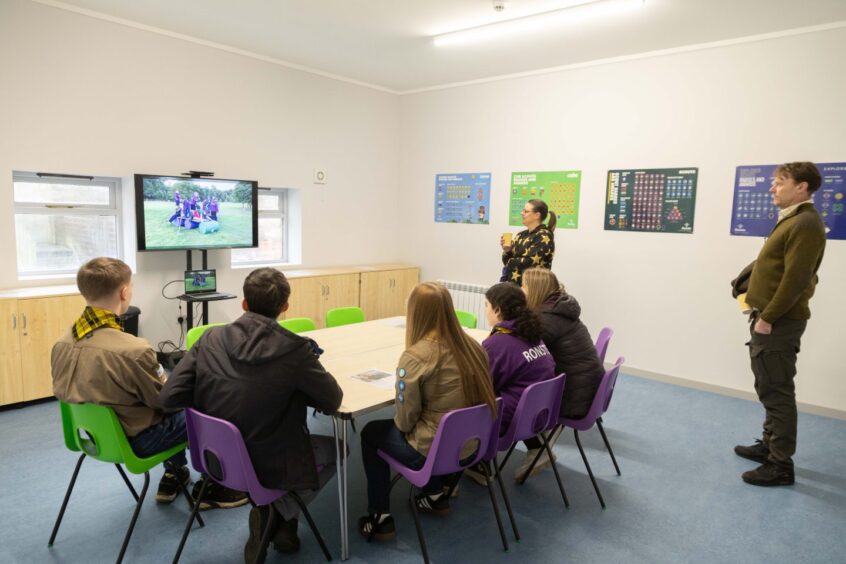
463,198
662,200
754,214
560,191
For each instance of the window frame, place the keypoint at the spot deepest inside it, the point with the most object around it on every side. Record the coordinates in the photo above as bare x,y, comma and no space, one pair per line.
113,208
282,213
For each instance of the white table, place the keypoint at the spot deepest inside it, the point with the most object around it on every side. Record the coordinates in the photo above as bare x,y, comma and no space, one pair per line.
351,350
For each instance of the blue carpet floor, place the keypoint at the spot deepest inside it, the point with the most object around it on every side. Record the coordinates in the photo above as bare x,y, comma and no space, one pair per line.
679,500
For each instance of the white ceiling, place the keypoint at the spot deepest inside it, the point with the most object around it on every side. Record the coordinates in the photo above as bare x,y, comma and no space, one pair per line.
387,43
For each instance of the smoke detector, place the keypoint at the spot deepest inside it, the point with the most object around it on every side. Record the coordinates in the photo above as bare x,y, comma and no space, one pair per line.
498,5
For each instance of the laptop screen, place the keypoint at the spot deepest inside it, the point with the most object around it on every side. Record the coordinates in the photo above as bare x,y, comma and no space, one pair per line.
197,281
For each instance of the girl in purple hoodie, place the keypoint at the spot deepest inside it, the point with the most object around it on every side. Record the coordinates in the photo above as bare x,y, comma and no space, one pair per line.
517,356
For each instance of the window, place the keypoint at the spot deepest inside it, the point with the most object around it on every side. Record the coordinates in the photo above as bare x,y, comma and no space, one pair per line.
272,231
61,222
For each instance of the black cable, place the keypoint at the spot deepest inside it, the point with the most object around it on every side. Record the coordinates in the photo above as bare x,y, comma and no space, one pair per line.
168,284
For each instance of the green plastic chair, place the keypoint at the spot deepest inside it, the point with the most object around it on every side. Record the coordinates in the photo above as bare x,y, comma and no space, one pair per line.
105,440
194,334
298,324
466,319
344,316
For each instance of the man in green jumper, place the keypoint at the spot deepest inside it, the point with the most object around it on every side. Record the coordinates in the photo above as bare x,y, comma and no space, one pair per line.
780,286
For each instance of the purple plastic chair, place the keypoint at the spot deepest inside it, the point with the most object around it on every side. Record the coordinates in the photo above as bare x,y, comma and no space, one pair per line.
602,342
600,402
601,348
456,429
219,452
536,412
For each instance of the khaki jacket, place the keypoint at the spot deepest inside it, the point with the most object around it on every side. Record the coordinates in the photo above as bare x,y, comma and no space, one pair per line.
112,368
428,386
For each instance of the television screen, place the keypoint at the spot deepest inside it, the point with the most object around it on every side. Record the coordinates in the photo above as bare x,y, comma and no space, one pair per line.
178,213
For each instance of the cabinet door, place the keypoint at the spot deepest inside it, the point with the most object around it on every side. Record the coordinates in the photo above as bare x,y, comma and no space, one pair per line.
41,322
306,299
377,298
341,291
11,385
404,282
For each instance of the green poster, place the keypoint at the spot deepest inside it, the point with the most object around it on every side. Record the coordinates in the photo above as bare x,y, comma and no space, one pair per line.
662,200
560,191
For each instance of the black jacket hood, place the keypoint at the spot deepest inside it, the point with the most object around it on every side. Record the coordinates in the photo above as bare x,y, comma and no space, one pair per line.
256,339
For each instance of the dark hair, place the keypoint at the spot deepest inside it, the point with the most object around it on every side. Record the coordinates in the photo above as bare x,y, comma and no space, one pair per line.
101,277
802,172
266,291
510,300
543,209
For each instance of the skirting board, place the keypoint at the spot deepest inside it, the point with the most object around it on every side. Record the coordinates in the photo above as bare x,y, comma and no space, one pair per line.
722,390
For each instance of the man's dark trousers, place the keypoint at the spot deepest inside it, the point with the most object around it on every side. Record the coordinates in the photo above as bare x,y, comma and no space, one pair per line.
773,360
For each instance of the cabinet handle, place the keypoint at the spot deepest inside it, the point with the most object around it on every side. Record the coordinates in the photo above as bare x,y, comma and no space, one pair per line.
328,290
14,322
24,321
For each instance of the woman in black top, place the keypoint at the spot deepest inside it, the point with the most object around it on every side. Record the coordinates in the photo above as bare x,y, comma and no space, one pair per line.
533,246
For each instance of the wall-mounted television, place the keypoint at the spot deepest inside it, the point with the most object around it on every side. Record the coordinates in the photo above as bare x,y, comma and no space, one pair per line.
177,213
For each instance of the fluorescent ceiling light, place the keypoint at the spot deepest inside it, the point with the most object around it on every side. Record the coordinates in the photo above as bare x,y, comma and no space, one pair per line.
589,10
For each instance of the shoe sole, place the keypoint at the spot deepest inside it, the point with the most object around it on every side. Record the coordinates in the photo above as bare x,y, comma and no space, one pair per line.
768,484
207,505
438,512
381,537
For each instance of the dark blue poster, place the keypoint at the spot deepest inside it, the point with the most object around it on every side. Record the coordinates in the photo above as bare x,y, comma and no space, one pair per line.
463,198
754,214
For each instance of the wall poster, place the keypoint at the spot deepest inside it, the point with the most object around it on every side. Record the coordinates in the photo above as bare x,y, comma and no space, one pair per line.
560,191
754,214
463,198
662,200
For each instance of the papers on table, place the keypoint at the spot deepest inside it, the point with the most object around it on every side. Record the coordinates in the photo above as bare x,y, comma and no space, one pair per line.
378,378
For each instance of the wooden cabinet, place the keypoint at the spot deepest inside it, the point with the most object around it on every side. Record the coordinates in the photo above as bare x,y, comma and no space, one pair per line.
380,291
313,296
30,328
384,293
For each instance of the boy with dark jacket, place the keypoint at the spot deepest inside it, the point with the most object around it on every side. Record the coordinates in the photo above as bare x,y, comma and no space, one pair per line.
261,378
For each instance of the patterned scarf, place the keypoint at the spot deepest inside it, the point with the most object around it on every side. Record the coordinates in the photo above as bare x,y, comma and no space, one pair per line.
94,318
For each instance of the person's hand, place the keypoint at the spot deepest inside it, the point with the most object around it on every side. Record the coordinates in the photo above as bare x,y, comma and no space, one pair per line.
505,248
762,327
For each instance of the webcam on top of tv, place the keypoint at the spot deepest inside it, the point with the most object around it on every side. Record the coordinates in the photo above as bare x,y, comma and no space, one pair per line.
198,173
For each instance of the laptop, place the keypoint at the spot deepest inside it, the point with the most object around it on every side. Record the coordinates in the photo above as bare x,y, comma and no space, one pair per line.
202,285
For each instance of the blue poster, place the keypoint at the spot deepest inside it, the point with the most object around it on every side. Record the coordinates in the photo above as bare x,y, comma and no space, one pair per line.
754,214
463,198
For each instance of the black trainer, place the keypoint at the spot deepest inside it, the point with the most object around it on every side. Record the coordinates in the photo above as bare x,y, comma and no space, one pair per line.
169,484
385,530
428,504
286,540
757,452
769,474
217,496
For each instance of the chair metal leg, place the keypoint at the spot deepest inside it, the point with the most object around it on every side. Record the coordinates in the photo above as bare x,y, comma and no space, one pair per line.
554,469
412,502
531,467
126,479
134,517
587,466
312,525
607,445
65,502
488,479
265,536
194,514
507,456
184,489
498,470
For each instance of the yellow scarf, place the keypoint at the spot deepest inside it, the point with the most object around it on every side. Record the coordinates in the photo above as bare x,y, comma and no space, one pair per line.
94,318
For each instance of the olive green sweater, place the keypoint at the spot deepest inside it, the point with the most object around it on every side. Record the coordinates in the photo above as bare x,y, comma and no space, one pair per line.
785,273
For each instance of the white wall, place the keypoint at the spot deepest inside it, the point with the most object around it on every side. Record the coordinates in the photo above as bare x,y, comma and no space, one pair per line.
85,96
666,295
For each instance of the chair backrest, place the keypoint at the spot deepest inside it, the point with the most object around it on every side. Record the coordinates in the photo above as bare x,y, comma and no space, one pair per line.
536,411
602,342
218,450
105,440
344,316
456,429
466,319
298,324
601,399
195,333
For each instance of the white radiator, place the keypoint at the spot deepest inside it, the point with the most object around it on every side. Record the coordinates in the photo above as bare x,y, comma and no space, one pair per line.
469,297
